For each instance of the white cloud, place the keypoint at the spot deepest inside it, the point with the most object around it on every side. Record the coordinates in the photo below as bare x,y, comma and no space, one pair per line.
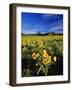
56,28
33,31
47,16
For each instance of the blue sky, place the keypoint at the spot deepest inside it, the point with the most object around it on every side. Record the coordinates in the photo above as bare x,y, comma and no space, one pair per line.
36,22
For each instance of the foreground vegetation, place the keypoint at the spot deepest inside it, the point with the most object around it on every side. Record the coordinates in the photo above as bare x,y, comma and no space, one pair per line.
42,55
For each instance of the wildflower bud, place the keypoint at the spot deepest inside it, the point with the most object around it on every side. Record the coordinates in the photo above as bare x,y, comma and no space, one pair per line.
55,58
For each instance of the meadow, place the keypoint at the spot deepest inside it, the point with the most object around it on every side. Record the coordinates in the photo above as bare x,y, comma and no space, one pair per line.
42,55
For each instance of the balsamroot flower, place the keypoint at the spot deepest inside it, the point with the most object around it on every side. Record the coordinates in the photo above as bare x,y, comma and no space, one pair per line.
34,55
46,57
44,51
37,54
55,58
45,54
47,60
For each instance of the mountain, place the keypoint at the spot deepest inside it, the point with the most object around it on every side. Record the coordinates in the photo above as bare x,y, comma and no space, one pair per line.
43,34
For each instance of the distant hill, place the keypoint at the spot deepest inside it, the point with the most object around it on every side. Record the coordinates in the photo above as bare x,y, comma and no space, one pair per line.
43,34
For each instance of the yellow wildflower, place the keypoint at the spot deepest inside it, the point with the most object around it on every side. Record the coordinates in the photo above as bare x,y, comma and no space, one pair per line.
37,54
34,55
55,58
45,55
44,51
40,44
47,60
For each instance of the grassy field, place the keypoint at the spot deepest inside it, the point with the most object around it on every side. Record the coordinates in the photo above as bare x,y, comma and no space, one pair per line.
41,55
25,39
